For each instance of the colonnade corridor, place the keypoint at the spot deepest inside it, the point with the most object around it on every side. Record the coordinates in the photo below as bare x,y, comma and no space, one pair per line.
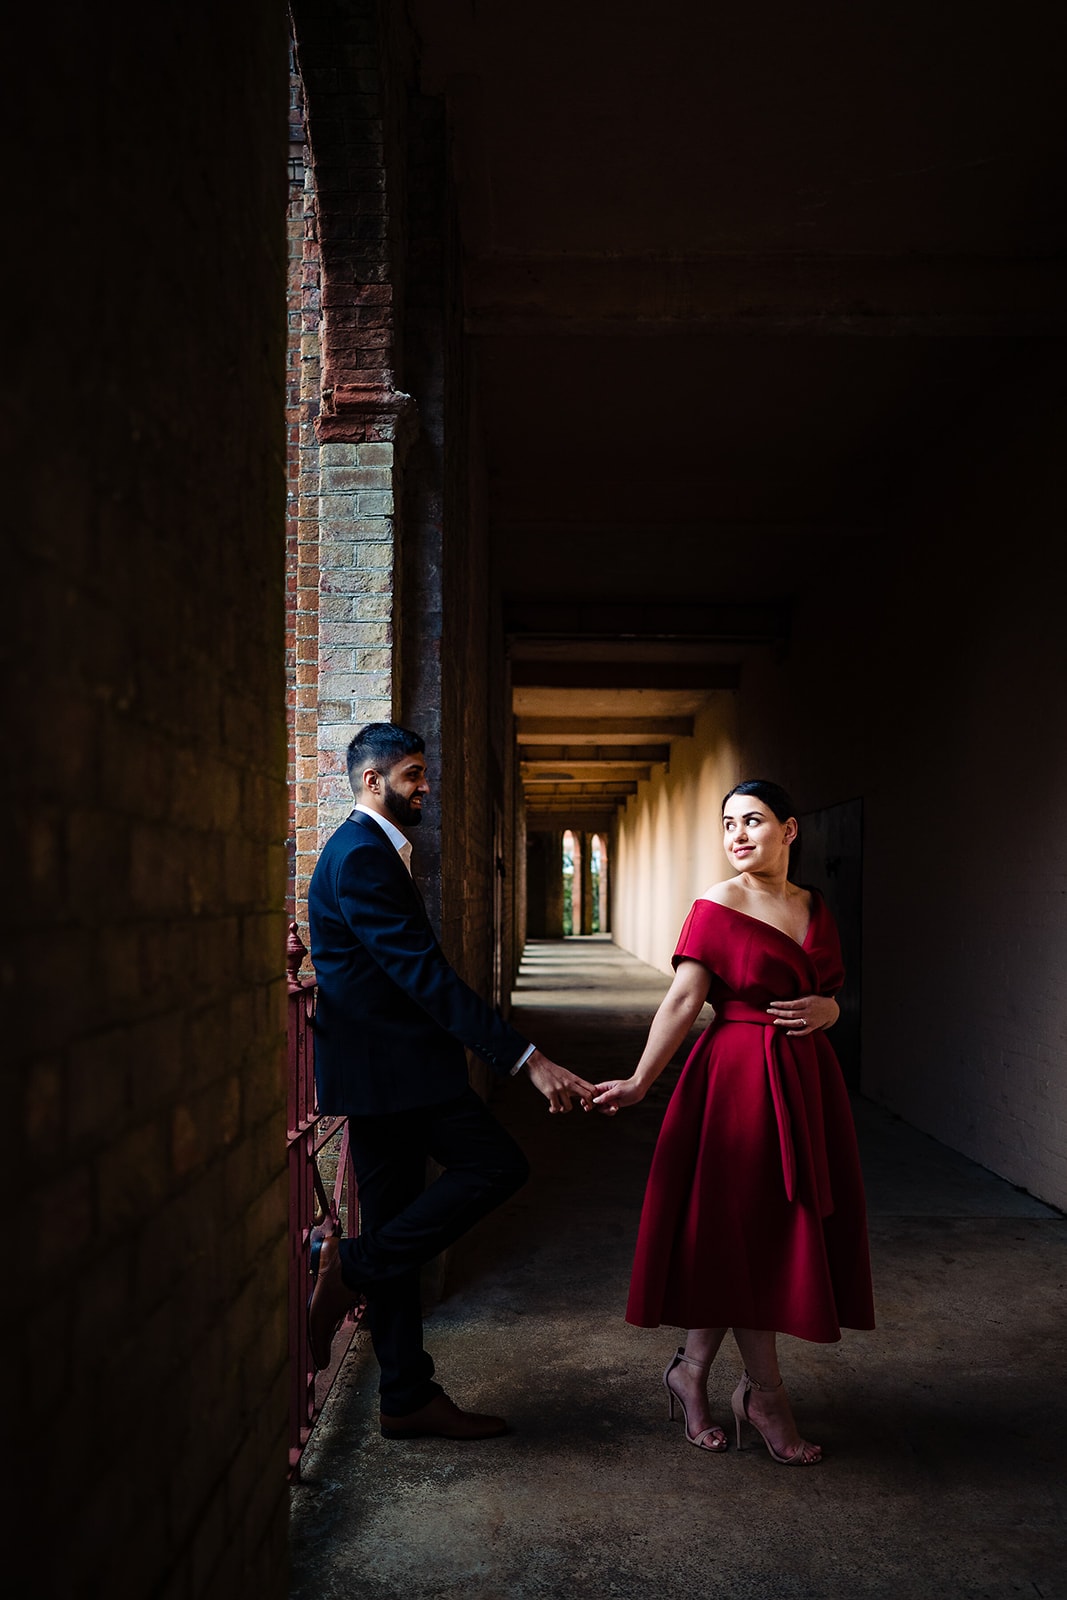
943,1430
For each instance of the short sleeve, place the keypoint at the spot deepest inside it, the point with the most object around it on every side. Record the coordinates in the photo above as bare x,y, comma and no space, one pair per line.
697,941
824,947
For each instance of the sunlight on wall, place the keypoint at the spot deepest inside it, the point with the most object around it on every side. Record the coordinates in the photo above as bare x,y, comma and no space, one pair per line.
669,839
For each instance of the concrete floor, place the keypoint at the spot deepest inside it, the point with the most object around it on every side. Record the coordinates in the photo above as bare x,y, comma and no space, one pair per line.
943,1430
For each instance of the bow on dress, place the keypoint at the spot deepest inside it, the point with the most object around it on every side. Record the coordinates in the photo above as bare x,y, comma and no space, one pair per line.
796,1094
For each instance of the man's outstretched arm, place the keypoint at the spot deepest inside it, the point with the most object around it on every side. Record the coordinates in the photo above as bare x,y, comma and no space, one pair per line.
403,945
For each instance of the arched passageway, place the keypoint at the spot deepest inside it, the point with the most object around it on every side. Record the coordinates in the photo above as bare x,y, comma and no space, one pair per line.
675,396
603,610
696,487
939,1428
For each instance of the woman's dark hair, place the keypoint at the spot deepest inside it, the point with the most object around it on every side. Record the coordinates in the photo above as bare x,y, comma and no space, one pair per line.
772,794
381,745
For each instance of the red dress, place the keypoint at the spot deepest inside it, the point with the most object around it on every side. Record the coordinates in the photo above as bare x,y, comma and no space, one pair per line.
754,1215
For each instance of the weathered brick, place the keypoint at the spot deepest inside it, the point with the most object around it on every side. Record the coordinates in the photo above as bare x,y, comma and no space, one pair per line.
373,503
212,1533
351,582
132,1175
102,1301
204,1124
376,555
157,876
96,1093
45,1099
353,684
264,1223
337,553
338,509
369,634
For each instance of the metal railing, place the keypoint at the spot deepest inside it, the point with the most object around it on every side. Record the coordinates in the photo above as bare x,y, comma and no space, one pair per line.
322,1200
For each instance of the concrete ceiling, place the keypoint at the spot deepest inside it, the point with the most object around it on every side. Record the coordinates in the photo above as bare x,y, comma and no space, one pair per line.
691,128
732,275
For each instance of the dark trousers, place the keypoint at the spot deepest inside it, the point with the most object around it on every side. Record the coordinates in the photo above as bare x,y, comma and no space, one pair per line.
404,1224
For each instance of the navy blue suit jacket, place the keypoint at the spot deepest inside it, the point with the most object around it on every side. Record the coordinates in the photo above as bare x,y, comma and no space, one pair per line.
392,1017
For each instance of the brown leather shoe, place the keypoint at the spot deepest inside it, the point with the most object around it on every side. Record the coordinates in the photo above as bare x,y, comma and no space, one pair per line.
331,1299
442,1419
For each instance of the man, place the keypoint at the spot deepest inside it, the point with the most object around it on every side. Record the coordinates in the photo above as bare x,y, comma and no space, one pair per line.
392,1020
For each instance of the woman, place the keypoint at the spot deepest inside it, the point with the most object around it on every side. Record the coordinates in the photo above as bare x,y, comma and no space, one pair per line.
754,1217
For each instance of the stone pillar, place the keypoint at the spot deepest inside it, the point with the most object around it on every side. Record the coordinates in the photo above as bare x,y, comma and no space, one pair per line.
356,557
586,925
304,383
577,896
354,422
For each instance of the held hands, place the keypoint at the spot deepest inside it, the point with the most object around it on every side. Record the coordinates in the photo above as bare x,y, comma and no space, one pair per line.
677,1012
804,1016
618,1092
559,1086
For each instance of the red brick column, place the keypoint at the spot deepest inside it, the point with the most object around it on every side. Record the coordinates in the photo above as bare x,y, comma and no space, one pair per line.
353,423
302,477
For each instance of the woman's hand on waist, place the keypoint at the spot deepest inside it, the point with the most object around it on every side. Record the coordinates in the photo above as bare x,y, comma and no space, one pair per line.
806,1015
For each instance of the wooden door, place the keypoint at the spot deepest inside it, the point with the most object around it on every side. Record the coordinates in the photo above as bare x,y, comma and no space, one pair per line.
831,860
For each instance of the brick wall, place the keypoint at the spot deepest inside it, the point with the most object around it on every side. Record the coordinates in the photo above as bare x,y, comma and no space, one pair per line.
302,621
390,581
145,1336
351,423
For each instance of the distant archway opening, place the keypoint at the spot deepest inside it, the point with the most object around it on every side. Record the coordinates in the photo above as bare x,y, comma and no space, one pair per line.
584,870
571,867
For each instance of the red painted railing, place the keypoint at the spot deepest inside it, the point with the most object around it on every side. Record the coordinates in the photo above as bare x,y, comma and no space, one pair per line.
317,1146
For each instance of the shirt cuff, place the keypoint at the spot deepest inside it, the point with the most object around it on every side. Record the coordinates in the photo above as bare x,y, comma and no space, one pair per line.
521,1062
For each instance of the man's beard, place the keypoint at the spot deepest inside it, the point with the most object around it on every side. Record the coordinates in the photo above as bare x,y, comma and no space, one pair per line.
402,810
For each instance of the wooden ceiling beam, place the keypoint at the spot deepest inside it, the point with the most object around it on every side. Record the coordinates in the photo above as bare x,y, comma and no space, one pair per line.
726,624
600,730
564,777
585,788
625,674
582,821
883,296
534,756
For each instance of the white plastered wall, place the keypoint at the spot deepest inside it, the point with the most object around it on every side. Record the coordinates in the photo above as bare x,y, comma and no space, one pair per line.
669,840
926,674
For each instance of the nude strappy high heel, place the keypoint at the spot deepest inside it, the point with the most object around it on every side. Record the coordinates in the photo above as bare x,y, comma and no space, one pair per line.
713,1438
799,1456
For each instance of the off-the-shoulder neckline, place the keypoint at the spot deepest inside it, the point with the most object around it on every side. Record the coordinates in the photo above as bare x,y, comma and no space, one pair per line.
801,944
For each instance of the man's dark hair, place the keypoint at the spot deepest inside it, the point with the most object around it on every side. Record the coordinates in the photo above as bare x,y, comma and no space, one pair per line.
380,745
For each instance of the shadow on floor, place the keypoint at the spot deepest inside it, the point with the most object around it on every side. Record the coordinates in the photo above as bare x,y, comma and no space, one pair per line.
943,1429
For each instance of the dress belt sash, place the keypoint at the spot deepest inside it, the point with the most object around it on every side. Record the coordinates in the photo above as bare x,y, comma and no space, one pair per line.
775,1040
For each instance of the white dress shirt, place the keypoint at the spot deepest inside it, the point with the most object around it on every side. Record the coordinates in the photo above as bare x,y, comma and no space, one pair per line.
400,840
403,849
